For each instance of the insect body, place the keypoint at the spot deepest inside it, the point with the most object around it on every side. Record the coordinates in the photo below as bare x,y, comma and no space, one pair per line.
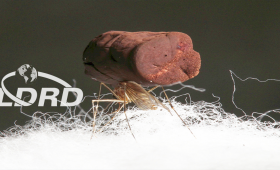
133,92
127,92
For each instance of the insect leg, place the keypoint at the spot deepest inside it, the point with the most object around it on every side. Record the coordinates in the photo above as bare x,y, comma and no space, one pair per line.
110,90
95,111
116,112
176,111
125,113
153,88
110,104
96,108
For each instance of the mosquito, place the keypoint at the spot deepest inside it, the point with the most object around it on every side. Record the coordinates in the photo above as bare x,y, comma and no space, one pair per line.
127,92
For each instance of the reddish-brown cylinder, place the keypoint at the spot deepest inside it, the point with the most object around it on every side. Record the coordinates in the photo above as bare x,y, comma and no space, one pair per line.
148,58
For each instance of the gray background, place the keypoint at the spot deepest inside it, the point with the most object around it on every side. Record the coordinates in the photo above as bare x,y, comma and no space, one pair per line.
242,36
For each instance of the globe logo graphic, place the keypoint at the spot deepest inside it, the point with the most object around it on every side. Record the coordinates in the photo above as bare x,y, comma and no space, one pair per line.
28,72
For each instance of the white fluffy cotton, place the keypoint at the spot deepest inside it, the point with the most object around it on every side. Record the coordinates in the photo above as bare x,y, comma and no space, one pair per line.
162,142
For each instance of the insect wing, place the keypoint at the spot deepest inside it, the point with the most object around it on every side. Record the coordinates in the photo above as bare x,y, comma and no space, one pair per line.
159,103
143,99
140,96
